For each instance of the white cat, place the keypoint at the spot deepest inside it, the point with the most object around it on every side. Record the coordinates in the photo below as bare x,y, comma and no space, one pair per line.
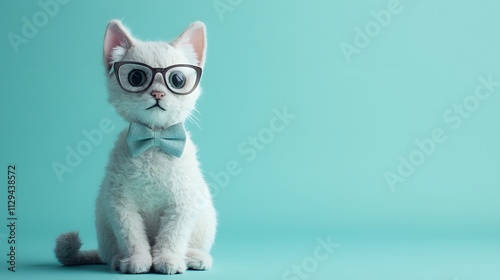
154,211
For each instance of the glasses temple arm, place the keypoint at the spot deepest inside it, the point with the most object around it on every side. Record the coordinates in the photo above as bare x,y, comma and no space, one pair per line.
112,69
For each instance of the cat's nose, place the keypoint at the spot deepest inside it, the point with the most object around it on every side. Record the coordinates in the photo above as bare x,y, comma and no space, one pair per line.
157,94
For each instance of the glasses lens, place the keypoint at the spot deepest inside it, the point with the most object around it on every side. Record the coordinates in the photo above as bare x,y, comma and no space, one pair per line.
181,79
134,77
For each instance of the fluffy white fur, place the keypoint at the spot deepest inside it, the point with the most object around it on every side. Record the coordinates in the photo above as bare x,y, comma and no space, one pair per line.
153,212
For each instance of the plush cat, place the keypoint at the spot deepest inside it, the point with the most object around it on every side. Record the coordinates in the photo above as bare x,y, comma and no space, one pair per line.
154,211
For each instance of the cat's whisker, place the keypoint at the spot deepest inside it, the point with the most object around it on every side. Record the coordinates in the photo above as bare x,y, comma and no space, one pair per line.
194,117
196,111
193,120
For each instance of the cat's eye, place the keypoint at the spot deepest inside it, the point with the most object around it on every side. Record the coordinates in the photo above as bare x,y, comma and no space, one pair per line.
133,77
137,77
177,80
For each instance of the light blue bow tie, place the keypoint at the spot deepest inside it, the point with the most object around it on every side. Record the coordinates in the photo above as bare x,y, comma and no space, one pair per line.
171,140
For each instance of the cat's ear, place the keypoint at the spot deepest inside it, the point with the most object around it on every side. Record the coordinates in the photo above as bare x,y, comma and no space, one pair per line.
194,36
117,42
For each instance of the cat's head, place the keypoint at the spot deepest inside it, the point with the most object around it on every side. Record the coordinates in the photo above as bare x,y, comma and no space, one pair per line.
131,65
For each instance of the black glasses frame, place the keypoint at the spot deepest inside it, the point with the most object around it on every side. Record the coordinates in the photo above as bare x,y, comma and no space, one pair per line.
163,71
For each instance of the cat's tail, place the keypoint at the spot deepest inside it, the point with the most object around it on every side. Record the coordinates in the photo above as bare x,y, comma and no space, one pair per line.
68,251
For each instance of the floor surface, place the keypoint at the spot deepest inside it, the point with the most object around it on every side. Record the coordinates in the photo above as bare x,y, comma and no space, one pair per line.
306,257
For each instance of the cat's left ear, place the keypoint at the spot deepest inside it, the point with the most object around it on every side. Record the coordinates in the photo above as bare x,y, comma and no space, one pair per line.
117,41
195,36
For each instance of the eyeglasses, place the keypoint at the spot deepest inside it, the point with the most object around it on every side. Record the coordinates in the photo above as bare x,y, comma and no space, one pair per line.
136,77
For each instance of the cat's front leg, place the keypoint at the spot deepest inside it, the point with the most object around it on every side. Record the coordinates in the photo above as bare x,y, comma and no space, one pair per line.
171,244
128,227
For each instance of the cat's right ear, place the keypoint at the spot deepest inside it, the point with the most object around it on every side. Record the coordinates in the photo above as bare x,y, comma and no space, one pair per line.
117,42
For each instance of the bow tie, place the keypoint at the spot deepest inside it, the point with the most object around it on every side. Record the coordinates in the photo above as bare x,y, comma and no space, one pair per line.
171,140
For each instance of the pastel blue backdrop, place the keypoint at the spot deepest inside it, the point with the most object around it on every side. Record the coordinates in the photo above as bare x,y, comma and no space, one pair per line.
390,147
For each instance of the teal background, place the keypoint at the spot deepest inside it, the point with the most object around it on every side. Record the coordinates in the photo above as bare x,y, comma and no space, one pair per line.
323,175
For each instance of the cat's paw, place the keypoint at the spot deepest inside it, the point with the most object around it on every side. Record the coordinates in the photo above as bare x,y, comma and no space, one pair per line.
115,262
138,263
198,260
169,264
